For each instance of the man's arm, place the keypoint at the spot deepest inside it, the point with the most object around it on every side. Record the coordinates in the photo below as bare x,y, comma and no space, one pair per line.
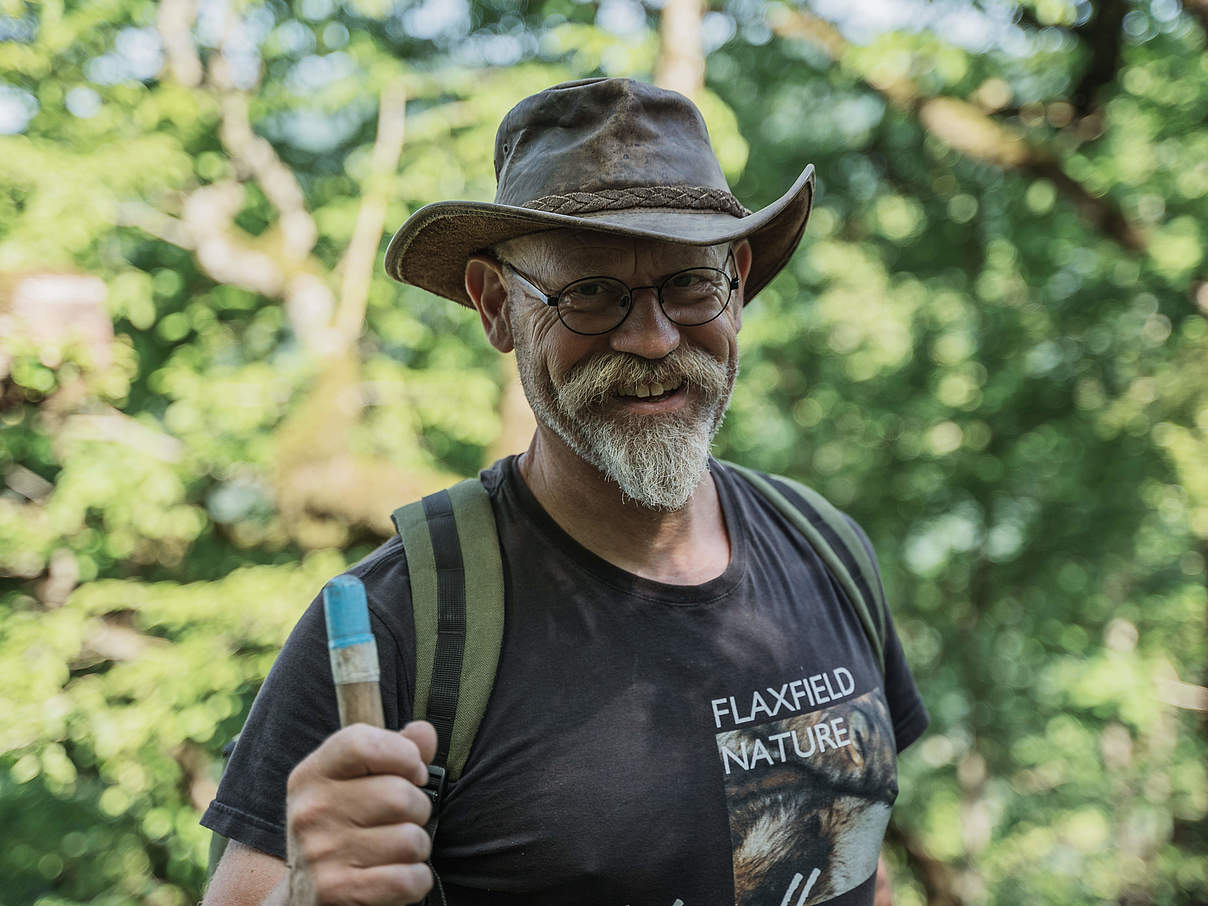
245,877
355,818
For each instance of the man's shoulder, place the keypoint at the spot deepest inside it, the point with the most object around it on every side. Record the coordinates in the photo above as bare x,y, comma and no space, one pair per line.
386,565
386,559
800,494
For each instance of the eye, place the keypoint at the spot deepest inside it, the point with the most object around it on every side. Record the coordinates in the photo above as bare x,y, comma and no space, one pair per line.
686,279
590,288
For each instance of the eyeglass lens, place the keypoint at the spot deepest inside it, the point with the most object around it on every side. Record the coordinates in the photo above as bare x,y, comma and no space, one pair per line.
690,297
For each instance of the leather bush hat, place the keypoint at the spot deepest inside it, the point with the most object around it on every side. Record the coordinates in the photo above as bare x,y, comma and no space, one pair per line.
610,155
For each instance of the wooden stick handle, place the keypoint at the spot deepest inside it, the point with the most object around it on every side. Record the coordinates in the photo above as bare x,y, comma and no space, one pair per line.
353,652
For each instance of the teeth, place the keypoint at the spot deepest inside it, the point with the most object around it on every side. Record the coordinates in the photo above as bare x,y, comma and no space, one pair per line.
642,391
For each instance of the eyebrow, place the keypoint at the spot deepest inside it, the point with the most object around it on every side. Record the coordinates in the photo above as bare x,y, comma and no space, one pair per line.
600,269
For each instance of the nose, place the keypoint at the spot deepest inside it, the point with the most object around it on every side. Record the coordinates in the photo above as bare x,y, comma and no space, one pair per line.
647,332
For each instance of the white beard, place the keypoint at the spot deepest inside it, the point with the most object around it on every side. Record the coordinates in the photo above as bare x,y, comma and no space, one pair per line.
656,460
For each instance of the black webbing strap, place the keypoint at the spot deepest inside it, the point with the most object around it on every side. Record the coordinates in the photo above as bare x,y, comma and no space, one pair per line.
450,637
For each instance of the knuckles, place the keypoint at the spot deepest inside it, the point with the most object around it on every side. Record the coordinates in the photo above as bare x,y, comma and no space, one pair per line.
398,800
371,749
318,850
334,884
381,799
358,751
355,819
306,811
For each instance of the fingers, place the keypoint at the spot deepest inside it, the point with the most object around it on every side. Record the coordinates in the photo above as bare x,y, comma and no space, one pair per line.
355,816
395,844
363,847
399,883
380,884
361,802
362,750
388,800
423,734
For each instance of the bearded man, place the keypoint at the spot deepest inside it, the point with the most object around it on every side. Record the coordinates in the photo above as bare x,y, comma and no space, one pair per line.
686,709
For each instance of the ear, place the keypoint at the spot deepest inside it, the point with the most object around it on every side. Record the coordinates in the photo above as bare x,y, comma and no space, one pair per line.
487,289
742,261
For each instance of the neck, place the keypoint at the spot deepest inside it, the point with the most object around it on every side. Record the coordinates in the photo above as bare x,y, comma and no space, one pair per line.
687,546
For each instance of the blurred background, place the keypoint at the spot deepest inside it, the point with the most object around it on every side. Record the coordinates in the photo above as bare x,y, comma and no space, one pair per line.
991,349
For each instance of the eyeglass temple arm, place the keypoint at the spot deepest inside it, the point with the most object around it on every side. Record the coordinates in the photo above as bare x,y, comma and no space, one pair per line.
551,301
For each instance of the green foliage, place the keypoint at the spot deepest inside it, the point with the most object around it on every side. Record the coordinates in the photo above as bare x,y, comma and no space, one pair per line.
1012,404
991,350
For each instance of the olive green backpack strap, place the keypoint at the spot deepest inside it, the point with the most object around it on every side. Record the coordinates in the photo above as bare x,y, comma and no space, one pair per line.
456,575
874,614
457,599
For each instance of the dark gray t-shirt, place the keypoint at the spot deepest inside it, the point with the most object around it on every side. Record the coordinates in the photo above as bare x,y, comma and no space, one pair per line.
726,743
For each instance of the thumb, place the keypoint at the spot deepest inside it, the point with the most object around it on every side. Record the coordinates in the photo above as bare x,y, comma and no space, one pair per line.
423,734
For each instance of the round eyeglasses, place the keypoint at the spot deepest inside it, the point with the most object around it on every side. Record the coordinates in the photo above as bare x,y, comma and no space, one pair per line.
596,305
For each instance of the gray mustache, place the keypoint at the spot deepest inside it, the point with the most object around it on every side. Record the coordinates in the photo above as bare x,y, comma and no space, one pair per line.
598,378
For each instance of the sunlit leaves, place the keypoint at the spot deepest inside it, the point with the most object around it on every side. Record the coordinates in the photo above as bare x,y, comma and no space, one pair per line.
1047,398
1009,400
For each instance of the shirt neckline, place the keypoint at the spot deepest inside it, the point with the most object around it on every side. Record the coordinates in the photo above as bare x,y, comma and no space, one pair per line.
561,542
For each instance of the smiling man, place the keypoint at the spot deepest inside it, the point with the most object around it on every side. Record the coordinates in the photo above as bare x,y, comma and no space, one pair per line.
633,396
692,705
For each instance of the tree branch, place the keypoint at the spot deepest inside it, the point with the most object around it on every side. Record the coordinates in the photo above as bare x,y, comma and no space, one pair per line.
230,256
359,257
967,129
1103,33
681,63
935,876
255,158
174,19
1198,9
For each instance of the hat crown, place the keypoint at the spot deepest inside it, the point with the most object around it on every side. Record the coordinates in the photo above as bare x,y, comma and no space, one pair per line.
595,135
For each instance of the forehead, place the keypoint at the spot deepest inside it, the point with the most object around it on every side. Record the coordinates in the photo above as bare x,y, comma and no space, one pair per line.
584,251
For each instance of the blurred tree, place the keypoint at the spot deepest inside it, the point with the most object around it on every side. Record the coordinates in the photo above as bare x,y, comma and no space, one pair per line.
1003,277
681,61
991,351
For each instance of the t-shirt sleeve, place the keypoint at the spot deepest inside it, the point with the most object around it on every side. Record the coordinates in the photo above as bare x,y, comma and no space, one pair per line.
296,710
906,706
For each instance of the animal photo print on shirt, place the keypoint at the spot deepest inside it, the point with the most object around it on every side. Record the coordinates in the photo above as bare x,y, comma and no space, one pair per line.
809,794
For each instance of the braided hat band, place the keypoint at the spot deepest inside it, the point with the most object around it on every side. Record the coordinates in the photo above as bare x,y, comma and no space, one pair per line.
611,156
685,198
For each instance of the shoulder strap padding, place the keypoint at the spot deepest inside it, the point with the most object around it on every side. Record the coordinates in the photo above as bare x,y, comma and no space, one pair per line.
874,618
471,544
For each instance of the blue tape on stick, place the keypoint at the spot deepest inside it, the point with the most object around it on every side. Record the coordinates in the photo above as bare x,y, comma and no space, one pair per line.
347,612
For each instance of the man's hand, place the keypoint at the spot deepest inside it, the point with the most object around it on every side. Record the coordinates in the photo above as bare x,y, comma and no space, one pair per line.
355,818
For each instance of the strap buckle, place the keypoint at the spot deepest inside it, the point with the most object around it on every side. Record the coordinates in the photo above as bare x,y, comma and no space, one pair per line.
435,789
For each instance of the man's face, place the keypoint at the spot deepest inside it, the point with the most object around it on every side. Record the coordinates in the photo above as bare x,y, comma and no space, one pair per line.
643,402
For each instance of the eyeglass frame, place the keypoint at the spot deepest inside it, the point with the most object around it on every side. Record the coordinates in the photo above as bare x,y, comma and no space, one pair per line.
551,299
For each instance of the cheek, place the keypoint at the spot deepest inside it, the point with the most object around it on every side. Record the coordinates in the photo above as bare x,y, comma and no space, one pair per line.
733,315
719,339
550,347
545,329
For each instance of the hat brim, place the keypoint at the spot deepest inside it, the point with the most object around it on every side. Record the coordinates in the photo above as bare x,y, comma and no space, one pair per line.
430,250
